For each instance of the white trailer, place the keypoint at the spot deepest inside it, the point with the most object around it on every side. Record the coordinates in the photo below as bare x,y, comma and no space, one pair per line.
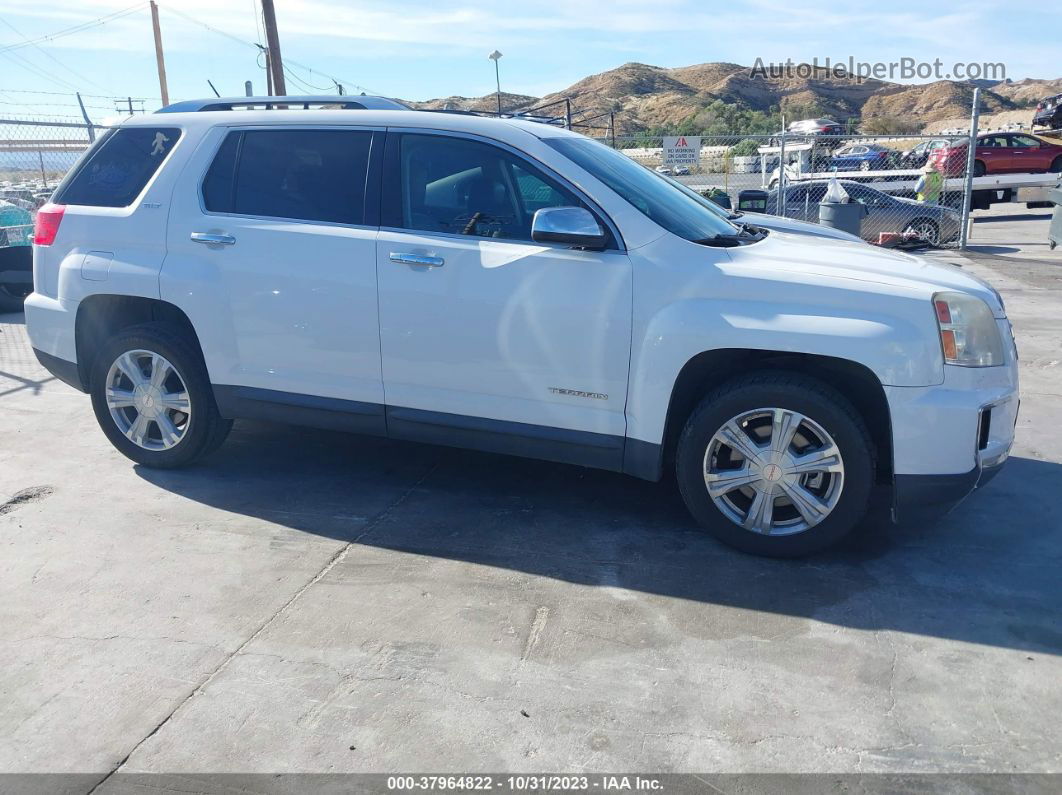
987,190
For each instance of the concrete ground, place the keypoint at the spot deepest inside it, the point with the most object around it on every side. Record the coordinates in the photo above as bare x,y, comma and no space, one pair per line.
311,602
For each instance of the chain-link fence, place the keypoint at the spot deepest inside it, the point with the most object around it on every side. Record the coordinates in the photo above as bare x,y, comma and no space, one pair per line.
910,188
34,156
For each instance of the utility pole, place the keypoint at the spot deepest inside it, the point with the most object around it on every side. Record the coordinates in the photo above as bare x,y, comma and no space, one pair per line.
88,122
159,60
275,62
971,152
268,70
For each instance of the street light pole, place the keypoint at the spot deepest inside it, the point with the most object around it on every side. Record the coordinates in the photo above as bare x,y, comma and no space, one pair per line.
496,56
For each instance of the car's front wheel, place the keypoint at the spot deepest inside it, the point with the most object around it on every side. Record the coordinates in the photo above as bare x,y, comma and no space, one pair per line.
775,463
153,399
924,229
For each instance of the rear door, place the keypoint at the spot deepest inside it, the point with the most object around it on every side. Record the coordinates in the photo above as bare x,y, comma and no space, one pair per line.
994,152
272,256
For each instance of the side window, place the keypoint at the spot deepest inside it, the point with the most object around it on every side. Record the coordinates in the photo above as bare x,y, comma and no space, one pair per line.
816,194
796,195
305,175
220,181
465,187
536,194
1023,141
116,171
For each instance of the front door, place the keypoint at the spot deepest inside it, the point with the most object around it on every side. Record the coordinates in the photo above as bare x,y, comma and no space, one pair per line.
1027,156
489,339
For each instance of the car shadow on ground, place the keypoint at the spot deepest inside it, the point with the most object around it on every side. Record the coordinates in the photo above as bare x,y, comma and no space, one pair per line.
986,573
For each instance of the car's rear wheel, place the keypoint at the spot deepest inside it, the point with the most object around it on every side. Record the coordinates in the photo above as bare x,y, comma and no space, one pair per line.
12,296
775,464
1056,165
864,165
153,399
925,229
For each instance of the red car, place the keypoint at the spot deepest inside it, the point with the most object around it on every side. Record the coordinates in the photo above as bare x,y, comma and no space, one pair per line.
1000,153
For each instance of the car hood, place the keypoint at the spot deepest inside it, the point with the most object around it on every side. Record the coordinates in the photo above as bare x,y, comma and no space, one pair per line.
791,225
843,259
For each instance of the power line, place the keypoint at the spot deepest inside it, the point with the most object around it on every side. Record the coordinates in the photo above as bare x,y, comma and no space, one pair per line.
76,28
302,82
287,61
51,57
39,71
67,94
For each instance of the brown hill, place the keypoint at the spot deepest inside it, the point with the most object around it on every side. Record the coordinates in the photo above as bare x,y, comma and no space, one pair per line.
1029,91
644,96
931,102
510,103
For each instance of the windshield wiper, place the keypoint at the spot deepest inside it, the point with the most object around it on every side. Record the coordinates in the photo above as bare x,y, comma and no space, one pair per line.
748,234
722,241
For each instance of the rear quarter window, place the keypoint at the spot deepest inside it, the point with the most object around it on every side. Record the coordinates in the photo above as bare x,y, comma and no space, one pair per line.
116,171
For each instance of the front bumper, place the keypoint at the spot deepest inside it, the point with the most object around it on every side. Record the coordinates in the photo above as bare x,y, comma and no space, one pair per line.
951,439
915,496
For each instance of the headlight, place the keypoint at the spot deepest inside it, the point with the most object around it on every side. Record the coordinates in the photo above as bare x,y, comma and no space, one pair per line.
968,332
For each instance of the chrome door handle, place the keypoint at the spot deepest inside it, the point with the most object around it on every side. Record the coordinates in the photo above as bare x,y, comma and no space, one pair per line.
417,259
210,237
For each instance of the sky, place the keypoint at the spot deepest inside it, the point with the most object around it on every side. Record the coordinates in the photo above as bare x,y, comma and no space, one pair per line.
421,49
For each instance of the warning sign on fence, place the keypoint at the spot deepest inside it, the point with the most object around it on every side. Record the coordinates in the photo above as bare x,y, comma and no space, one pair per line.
682,150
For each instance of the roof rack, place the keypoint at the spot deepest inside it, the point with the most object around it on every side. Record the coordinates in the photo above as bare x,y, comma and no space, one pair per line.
490,114
345,102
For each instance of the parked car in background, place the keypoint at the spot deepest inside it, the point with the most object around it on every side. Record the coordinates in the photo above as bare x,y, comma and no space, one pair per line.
16,256
1000,153
665,170
863,157
884,213
816,127
681,171
1049,113
515,287
776,223
917,156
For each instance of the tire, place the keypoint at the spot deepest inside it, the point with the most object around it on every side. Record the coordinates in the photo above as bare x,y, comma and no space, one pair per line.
1056,165
979,168
193,433
930,230
12,298
864,165
825,418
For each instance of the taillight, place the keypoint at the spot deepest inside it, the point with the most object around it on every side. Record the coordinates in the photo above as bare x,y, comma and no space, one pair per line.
1039,106
46,226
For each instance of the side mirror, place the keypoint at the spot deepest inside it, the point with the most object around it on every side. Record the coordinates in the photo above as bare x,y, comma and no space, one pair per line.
575,226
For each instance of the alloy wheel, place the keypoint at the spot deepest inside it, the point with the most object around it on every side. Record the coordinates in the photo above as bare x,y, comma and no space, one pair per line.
774,471
925,230
148,400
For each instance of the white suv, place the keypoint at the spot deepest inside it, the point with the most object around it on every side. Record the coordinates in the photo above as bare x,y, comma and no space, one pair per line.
510,286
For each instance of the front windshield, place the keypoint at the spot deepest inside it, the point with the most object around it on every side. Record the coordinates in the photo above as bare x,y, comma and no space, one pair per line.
656,198
722,212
